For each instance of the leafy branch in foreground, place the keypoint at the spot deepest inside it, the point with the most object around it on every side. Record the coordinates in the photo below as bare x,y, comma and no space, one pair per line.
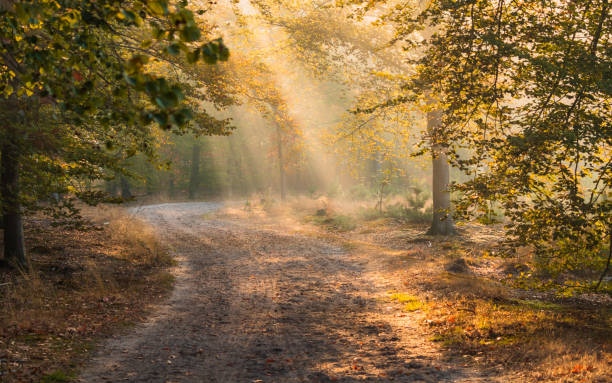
79,93
525,93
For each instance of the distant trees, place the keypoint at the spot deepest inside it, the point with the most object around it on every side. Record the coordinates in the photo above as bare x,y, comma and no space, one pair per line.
80,93
259,89
348,52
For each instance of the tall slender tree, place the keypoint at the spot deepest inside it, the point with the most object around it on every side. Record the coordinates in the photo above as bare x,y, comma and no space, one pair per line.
194,179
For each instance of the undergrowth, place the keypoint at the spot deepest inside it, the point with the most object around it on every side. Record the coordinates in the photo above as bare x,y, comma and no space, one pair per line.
540,336
334,222
550,341
81,287
398,212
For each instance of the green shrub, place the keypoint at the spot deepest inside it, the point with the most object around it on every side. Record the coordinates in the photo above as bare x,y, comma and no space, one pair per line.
397,212
371,214
416,199
403,213
334,222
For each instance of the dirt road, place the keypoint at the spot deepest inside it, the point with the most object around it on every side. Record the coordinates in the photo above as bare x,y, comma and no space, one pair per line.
255,305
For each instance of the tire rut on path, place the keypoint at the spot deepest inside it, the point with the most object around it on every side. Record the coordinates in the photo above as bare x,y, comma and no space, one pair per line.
253,305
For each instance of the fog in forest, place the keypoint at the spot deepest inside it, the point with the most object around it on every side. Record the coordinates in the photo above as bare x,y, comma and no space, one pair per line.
294,126
305,191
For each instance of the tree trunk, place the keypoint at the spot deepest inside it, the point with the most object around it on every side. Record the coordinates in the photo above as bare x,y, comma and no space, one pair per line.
110,187
194,178
442,223
281,163
126,193
608,261
171,187
14,243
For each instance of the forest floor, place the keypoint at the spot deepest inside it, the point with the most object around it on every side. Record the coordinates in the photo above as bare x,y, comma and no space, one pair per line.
82,286
269,294
266,296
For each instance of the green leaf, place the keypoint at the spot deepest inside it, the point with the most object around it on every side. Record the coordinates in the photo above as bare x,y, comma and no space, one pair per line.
161,118
193,56
208,53
133,81
129,15
214,51
159,7
173,49
190,33
169,100
223,52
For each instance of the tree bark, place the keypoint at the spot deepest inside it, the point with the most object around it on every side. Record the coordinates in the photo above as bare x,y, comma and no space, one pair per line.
442,223
110,187
608,261
14,243
281,163
126,193
171,187
194,178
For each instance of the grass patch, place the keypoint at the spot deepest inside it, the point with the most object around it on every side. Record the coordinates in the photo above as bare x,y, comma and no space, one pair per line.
399,213
341,223
413,306
57,377
451,337
411,303
540,305
403,297
139,242
163,280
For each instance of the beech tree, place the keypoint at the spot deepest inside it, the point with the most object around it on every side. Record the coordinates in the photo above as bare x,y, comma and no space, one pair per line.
78,87
525,89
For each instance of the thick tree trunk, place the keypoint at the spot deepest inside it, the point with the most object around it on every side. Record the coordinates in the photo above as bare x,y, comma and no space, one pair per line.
442,223
281,163
110,187
194,178
14,243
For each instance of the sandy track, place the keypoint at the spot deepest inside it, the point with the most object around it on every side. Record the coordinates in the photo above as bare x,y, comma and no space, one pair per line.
255,305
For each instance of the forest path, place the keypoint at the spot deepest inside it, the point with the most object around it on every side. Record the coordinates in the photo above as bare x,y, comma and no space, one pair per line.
264,305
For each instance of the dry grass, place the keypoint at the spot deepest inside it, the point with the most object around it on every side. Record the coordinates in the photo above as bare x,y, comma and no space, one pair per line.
524,334
139,238
81,287
539,340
